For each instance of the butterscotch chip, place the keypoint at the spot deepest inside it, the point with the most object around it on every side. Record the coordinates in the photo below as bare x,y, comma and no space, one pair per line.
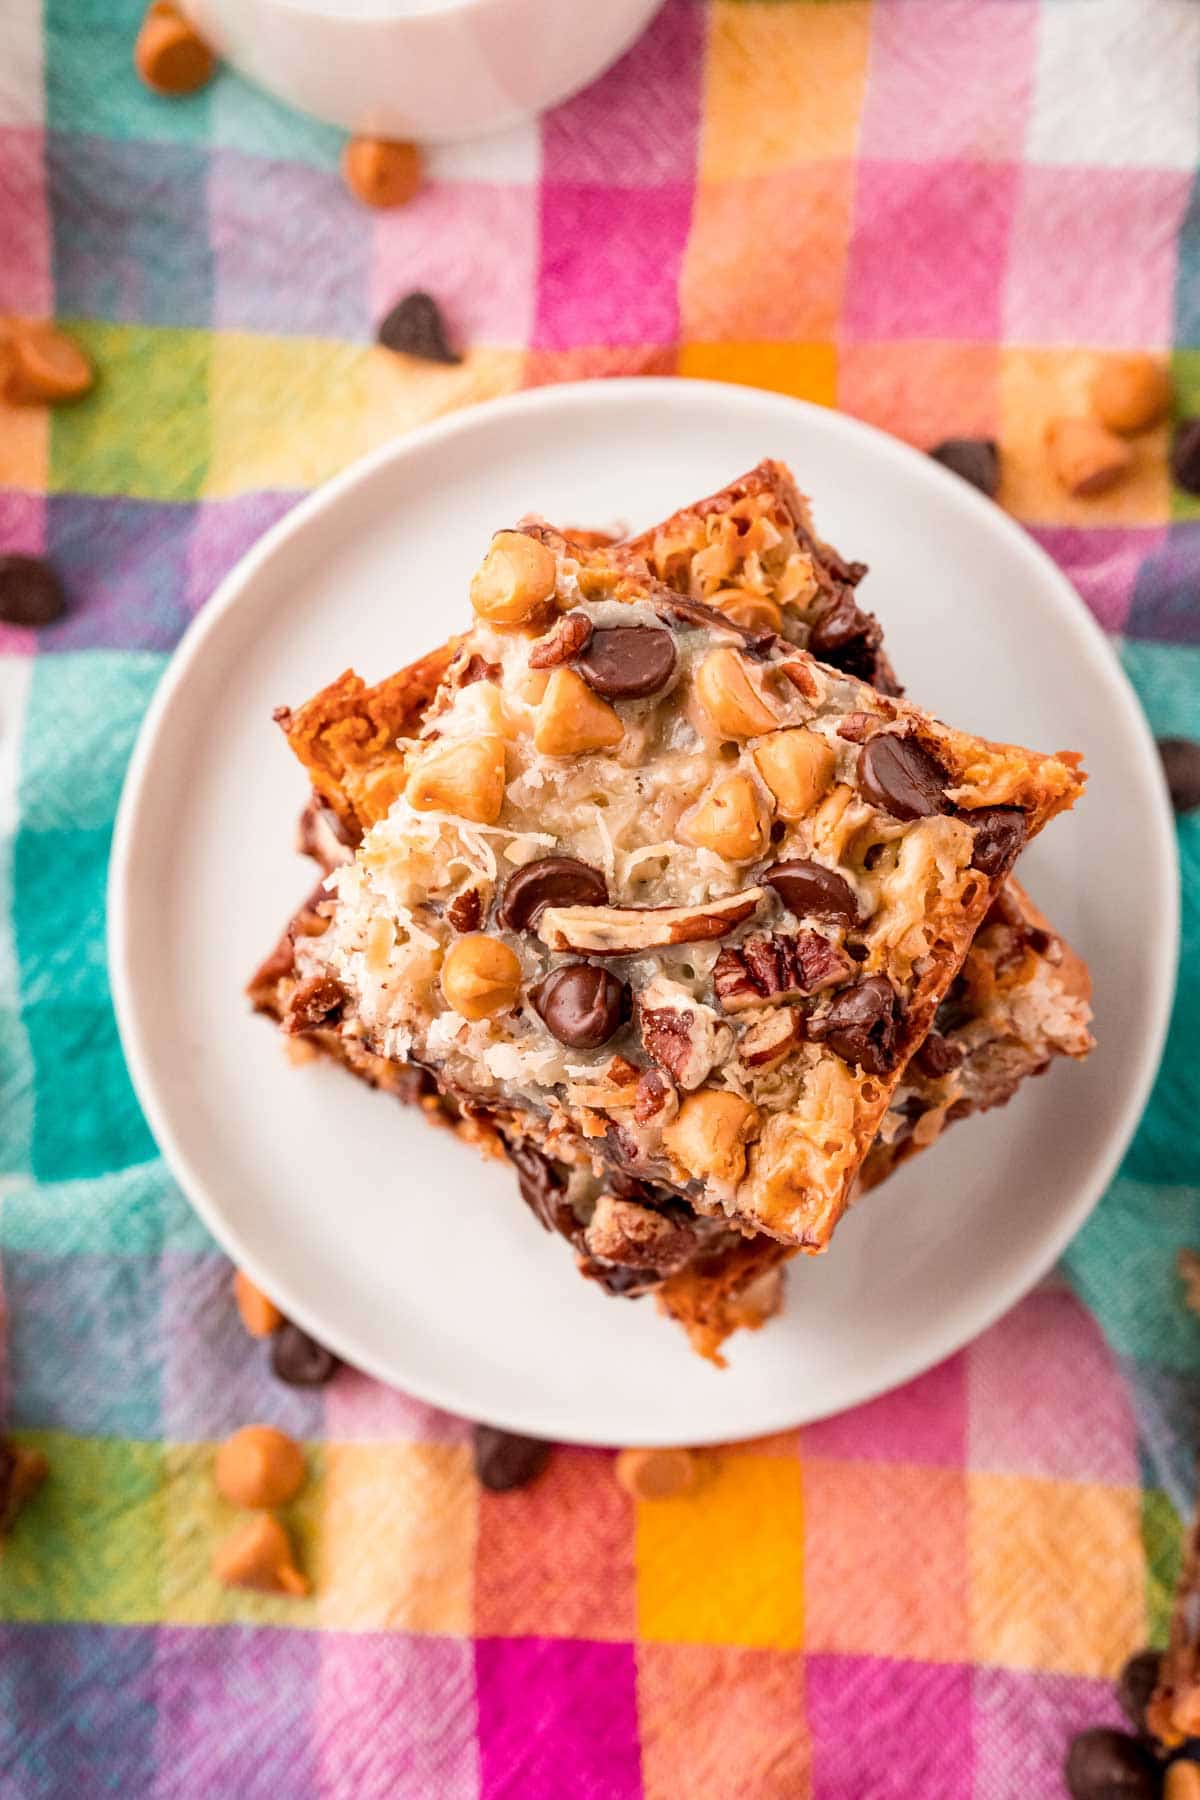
170,55
656,1474
259,1466
1086,458
1131,393
259,1555
380,171
44,367
260,1316
1182,1781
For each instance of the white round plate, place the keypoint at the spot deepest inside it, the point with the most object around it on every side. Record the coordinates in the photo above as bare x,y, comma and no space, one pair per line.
390,1241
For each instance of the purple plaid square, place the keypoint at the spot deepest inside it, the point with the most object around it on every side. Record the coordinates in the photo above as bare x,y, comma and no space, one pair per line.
639,125
84,1343
610,265
394,1717
557,1717
1024,1724
917,1742
124,566
201,1333
1165,605
1103,563
223,532
77,1711
292,248
129,238
232,1713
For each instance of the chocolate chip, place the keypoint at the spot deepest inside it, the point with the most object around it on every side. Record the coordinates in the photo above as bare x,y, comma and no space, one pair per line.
811,891
1103,1764
581,1004
1000,833
416,328
938,1055
862,1025
847,637
542,1187
504,1461
1185,455
1181,765
755,641
300,1360
30,592
977,460
628,662
898,775
1136,1684
551,881
620,1282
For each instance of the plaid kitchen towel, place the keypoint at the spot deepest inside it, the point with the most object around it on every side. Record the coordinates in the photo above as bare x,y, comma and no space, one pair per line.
932,213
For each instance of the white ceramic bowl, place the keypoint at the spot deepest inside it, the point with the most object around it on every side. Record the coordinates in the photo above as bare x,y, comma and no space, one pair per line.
434,70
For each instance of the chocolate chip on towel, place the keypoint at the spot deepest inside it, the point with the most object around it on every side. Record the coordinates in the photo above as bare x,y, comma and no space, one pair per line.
415,327
504,1461
299,1360
30,592
1103,1764
1181,765
977,460
1185,455
1135,1685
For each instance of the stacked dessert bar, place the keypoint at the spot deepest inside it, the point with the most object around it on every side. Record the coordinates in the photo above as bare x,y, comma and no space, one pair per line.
653,883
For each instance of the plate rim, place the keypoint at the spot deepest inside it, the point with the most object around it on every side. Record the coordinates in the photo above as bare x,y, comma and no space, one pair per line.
616,392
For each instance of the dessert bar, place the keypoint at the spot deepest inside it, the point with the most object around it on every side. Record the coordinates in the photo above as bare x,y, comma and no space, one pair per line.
658,880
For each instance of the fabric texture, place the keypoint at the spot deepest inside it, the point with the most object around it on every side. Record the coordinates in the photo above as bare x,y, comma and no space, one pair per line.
931,213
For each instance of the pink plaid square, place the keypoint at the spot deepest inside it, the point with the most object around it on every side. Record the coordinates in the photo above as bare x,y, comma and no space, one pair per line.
475,247
25,281
928,251
927,73
1092,256
1045,1397
610,265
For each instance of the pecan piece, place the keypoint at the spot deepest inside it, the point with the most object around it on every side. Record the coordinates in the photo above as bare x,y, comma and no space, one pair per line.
624,930
689,1041
637,1237
477,668
771,1038
566,640
314,1003
656,1100
465,910
777,969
